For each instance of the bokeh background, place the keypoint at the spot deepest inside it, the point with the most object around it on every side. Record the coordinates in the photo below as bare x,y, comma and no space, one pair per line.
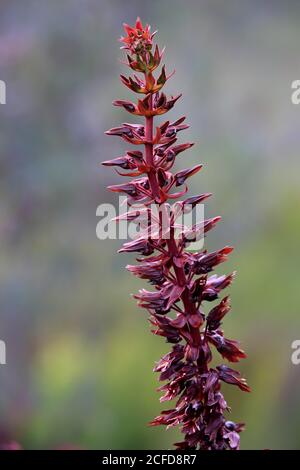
79,352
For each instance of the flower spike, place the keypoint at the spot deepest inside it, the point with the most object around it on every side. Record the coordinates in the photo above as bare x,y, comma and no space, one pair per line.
180,280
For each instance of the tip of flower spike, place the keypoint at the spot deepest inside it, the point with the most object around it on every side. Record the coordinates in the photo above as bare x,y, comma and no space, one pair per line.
138,37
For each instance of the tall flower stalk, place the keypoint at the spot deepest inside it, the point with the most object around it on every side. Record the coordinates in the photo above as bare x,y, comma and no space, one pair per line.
181,279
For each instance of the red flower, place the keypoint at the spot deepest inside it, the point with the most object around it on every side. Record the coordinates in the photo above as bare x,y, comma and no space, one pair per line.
138,39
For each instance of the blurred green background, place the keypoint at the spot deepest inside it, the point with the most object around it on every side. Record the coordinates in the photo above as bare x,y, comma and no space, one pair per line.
79,351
